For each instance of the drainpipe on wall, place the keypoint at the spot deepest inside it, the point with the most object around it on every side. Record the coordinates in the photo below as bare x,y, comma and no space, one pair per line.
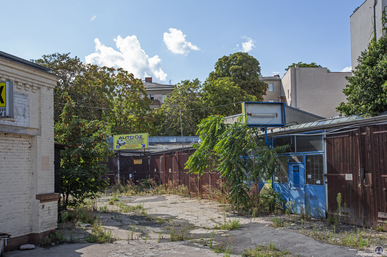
375,3
295,86
325,172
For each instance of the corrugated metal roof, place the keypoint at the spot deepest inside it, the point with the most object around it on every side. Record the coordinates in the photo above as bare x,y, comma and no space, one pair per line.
331,123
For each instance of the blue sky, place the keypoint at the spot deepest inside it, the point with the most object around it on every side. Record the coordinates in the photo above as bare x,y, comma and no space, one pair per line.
177,40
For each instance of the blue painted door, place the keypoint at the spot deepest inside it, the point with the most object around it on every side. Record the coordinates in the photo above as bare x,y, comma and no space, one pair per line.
296,175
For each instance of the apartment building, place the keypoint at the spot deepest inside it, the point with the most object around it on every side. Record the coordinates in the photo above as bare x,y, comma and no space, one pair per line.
314,90
275,90
157,92
366,21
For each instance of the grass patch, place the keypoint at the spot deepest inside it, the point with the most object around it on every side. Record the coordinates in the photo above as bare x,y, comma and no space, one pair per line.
78,214
100,235
56,238
265,251
278,222
177,236
231,225
223,248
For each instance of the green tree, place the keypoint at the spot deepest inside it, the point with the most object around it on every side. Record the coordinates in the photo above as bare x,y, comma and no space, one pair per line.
305,65
220,94
101,93
131,112
222,147
85,148
186,97
75,78
243,70
367,88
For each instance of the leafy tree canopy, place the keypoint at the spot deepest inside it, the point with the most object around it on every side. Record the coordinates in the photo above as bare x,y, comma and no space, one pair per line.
75,77
186,97
222,93
243,70
85,148
305,65
101,93
367,88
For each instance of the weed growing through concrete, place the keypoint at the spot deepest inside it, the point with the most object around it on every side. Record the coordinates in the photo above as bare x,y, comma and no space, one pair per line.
278,222
212,238
265,251
231,225
100,235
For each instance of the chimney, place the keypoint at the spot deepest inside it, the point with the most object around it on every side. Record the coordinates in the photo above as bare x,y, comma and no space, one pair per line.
276,76
148,79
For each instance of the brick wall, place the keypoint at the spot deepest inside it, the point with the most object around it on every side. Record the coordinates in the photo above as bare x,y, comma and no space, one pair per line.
15,184
27,156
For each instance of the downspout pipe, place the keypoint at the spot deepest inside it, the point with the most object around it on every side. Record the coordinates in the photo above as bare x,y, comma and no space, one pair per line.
375,3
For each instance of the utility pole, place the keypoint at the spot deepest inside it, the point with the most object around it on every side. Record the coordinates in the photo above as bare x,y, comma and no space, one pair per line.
181,128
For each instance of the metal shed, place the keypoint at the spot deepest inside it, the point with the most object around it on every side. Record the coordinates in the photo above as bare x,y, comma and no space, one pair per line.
346,155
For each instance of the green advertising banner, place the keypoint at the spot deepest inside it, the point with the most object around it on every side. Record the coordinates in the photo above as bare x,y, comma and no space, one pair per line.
130,141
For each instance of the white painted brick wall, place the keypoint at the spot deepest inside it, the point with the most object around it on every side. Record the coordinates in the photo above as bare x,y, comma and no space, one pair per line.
15,184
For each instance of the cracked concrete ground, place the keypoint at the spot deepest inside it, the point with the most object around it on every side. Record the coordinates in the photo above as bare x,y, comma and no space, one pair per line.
194,220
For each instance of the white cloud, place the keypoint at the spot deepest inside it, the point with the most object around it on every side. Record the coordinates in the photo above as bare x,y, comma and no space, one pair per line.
175,41
248,45
130,57
275,72
347,69
93,18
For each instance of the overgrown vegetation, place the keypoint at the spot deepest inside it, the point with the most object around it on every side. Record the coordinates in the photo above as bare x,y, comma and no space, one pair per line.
231,224
100,235
149,186
221,151
265,251
85,148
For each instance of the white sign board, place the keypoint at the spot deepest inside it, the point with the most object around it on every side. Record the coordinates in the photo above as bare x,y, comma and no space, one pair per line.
264,114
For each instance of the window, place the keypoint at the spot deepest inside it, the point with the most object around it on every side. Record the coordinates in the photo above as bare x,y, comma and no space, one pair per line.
151,97
281,172
271,101
289,140
296,158
163,98
271,87
314,169
309,143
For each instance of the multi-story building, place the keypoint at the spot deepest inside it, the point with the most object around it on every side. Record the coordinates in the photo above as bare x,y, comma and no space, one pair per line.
314,90
366,22
274,90
157,92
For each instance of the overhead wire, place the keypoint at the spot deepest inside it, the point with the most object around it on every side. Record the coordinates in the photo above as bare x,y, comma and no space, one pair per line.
202,108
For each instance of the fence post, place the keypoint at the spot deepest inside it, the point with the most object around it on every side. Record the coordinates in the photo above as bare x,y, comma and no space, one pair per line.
209,181
160,169
178,166
118,167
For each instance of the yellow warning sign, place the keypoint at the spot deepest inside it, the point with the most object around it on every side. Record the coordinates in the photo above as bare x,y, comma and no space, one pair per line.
3,98
137,161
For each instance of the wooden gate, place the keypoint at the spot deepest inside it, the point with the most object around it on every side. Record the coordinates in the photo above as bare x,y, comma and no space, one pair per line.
357,168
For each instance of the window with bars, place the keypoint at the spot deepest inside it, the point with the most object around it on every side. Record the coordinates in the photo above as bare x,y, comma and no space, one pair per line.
314,169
